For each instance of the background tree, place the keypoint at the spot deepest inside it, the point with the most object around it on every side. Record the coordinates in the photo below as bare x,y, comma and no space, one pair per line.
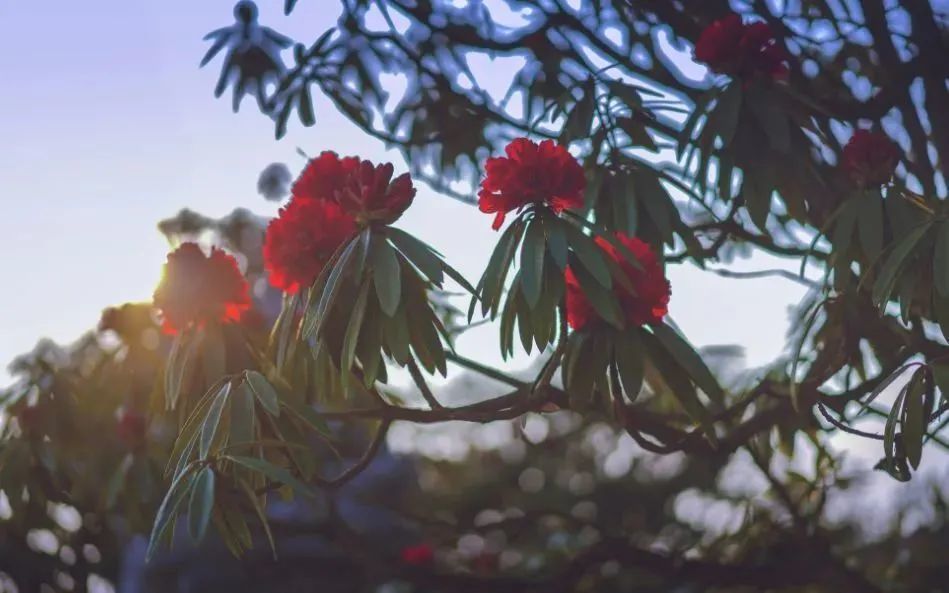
761,154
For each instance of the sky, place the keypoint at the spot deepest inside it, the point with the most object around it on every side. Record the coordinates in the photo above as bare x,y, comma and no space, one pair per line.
108,125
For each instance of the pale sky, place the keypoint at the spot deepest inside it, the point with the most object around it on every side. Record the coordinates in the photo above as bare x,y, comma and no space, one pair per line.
108,126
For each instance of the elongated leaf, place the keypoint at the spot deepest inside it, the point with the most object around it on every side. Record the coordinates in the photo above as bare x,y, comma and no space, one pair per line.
242,415
728,111
178,367
532,262
773,120
168,510
941,260
756,188
889,273
201,505
264,392
387,277
889,431
188,435
334,283
690,360
213,352
688,128
556,241
603,300
492,281
590,255
677,379
629,357
307,415
352,332
914,421
261,514
870,224
213,420
656,202
275,473
419,254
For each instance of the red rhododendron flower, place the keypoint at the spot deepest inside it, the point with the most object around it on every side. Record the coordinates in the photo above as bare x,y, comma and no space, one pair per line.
196,289
130,428
647,306
870,158
364,190
531,173
371,195
323,176
418,555
743,50
302,239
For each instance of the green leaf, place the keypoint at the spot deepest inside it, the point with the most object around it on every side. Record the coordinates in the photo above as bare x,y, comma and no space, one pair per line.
678,381
532,261
914,421
396,335
264,392
352,332
307,415
213,352
334,282
889,272
242,415
688,128
261,514
492,281
168,510
656,201
603,300
421,255
386,276
586,367
870,224
727,112
213,420
773,120
506,331
590,255
275,473
178,366
188,435
305,106
889,431
629,356
201,505
690,360
580,118
757,189
941,260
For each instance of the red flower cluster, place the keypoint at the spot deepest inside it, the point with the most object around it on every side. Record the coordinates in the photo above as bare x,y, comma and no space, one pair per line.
363,190
301,240
647,306
331,199
130,428
870,158
196,289
531,173
418,555
732,47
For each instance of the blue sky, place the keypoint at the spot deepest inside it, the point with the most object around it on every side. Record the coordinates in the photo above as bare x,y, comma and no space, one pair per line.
108,125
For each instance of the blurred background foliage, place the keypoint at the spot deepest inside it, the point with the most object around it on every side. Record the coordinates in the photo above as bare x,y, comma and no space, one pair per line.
556,501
